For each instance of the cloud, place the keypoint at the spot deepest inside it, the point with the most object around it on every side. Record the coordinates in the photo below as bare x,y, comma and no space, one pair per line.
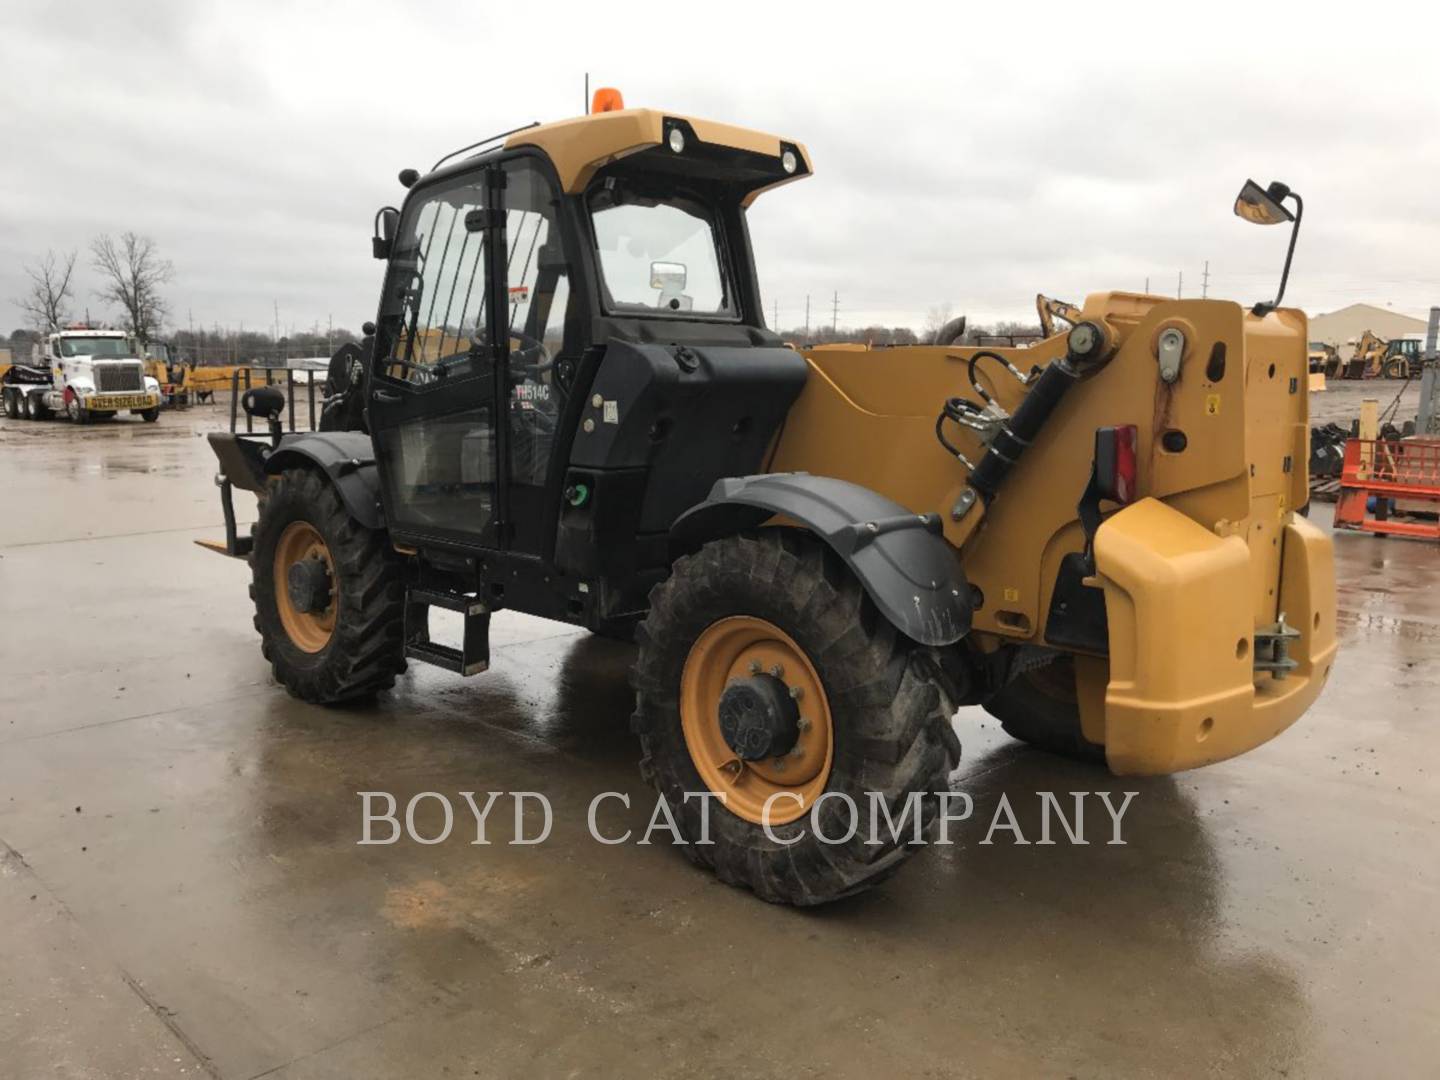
962,155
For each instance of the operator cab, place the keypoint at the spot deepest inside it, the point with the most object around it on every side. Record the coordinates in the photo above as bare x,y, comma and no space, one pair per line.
553,309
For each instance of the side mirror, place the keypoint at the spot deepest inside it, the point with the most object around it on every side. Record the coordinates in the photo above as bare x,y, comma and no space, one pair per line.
1261,206
387,220
668,277
1266,206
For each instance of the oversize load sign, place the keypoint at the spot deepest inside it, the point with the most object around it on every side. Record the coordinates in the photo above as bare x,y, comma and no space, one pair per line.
121,401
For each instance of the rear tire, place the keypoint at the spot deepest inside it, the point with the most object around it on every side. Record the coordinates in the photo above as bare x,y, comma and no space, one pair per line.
12,405
35,407
361,650
887,716
1039,707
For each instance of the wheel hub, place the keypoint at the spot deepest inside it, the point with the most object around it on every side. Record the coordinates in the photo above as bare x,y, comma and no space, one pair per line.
309,583
758,718
303,578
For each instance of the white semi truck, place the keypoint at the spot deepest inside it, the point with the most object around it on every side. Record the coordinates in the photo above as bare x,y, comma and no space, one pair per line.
82,374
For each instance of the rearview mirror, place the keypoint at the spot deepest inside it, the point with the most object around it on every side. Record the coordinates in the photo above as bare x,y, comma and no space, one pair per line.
387,220
668,277
1266,206
1260,206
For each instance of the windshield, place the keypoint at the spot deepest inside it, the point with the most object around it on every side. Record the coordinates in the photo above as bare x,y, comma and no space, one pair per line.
95,346
658,255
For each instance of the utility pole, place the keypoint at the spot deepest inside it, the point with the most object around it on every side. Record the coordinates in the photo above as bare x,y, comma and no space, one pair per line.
776,324
1147,286
807,317
1205,282
835,313
1180,286
1427,419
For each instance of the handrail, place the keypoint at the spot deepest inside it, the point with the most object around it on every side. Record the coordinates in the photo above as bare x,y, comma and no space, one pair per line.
312,415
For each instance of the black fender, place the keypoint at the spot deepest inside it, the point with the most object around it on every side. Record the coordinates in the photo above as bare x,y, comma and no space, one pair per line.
347,458
902,559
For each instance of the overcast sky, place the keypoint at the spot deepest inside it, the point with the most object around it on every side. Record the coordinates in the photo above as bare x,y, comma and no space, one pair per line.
965,154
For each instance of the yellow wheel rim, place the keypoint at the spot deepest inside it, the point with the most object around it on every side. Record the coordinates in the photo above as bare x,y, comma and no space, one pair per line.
737,648
310,631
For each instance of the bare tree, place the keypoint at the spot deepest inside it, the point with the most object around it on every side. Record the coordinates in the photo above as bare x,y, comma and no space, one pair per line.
47,302
132,273
935,320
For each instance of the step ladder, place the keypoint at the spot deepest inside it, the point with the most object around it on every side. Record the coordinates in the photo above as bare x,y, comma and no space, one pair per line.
473,656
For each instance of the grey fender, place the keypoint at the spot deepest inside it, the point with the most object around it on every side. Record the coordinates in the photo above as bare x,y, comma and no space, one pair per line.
347,458
901,558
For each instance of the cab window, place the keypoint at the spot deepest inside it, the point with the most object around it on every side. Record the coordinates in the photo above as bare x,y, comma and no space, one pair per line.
658,254
433,313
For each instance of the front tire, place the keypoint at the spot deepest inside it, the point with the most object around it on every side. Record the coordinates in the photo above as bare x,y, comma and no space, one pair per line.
873,718
333,632
149,415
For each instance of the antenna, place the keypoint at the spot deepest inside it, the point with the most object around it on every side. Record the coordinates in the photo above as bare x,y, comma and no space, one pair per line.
587,93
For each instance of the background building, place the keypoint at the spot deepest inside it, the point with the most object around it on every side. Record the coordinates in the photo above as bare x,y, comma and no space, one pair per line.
1339,327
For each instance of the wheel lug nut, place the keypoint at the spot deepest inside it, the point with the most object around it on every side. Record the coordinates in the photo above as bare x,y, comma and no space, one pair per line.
796,693
777,671
779,764
803,724
754,667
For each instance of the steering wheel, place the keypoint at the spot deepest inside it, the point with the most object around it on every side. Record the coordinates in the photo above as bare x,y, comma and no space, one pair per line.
532,353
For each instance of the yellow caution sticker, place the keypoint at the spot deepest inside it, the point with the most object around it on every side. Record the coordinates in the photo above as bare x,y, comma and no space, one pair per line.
1212,404
1012,595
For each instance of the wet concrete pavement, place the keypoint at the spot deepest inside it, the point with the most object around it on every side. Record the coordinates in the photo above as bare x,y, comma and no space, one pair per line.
181,892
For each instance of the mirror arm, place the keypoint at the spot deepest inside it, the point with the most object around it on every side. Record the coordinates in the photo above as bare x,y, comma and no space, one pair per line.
1265,308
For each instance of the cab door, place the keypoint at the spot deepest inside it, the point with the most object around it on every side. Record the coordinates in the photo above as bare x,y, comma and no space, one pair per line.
440,363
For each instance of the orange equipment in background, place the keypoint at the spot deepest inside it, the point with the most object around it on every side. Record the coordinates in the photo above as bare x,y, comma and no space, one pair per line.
1377,474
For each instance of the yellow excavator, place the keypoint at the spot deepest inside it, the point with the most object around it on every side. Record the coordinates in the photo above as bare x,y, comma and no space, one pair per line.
163,364
1052,310
1375,357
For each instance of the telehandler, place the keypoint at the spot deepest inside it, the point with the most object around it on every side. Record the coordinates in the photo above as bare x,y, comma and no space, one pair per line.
569,404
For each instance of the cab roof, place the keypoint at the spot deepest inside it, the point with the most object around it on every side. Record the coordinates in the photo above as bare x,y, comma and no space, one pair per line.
580,147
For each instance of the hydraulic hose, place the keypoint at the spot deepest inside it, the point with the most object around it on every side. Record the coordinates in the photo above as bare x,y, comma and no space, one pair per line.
1018,432
1089,345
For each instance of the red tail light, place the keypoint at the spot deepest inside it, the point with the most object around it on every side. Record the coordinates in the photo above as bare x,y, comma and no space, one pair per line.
1115,467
